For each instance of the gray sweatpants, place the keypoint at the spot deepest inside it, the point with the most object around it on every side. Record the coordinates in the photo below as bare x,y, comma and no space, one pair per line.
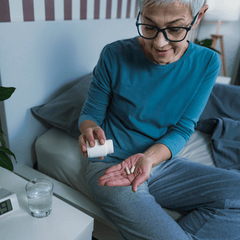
208,197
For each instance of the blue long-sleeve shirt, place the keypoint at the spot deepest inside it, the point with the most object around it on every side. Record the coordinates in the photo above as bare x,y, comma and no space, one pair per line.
139,103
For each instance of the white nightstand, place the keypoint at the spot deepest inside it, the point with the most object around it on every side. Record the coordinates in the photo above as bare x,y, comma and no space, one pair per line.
64,223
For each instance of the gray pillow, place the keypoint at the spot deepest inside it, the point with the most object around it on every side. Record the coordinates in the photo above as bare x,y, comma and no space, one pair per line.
63,111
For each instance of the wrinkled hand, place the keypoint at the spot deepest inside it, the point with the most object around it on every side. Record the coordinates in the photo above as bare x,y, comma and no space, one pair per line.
90,135
117,175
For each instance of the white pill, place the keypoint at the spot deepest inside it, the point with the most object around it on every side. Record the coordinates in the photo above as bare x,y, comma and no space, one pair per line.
132,169
127,170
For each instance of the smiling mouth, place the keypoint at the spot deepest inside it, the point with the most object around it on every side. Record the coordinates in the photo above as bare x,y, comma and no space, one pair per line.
162,52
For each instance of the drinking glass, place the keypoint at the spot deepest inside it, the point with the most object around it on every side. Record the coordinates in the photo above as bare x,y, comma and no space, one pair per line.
39,193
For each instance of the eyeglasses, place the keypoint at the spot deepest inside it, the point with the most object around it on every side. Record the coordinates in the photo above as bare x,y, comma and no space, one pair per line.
171,34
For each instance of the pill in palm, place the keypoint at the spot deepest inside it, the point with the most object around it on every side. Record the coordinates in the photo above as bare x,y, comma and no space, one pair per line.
127,170
132,169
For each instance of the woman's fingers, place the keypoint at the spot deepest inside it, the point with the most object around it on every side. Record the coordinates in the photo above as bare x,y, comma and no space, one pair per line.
89,136
110,175
82,145
86,137
115,180
99,134
121,181
137,182
116,168
141,175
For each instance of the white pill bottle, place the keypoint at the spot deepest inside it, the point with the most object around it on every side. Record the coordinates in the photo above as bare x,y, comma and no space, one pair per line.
100,150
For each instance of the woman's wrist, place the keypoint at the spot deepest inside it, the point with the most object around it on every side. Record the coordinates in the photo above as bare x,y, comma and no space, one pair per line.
157,153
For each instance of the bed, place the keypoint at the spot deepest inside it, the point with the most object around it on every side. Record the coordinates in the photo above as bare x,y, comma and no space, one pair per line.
59,157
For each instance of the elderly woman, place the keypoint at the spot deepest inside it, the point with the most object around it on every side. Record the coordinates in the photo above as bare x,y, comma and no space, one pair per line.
147,94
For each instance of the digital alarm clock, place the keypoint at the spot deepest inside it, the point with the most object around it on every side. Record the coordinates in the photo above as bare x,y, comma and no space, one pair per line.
8,202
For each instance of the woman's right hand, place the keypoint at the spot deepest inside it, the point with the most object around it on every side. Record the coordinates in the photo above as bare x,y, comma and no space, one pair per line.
89,135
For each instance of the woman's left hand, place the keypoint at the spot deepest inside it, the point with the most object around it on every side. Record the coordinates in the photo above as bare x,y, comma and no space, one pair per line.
117,175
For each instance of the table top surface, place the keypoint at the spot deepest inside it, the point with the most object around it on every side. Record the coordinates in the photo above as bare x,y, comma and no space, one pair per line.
64,222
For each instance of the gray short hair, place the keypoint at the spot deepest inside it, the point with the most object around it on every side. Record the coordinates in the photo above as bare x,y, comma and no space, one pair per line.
195,5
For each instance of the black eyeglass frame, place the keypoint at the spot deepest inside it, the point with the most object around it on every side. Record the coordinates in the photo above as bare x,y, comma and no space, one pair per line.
164,29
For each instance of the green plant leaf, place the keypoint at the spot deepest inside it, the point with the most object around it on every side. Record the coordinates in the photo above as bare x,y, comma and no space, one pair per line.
6,93
206,43
7,151
196,41
5,161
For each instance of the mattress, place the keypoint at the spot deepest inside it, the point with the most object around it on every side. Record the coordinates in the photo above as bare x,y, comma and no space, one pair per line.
59,156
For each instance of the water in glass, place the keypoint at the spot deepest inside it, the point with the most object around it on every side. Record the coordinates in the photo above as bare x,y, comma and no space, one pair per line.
40,199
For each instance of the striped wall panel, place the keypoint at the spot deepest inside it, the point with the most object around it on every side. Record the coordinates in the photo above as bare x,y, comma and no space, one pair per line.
54,10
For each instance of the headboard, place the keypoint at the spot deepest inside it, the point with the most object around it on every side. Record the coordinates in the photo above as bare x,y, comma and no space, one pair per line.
39,57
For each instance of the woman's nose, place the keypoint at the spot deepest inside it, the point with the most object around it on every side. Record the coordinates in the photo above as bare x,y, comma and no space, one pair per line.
160,41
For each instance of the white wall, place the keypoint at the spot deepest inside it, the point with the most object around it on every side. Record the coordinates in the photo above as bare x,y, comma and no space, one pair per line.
231,37
38,58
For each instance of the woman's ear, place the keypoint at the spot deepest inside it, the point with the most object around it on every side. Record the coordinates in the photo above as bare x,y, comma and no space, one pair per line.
202,11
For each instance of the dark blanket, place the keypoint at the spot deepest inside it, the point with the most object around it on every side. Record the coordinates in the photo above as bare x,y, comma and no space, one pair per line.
221,119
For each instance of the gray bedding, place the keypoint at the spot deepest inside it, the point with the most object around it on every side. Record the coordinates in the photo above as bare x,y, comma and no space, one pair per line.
221,119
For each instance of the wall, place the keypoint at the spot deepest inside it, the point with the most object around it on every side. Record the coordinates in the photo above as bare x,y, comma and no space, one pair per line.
44,45
231,33
38,58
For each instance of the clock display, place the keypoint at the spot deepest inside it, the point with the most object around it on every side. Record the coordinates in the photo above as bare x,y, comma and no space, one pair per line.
5,207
